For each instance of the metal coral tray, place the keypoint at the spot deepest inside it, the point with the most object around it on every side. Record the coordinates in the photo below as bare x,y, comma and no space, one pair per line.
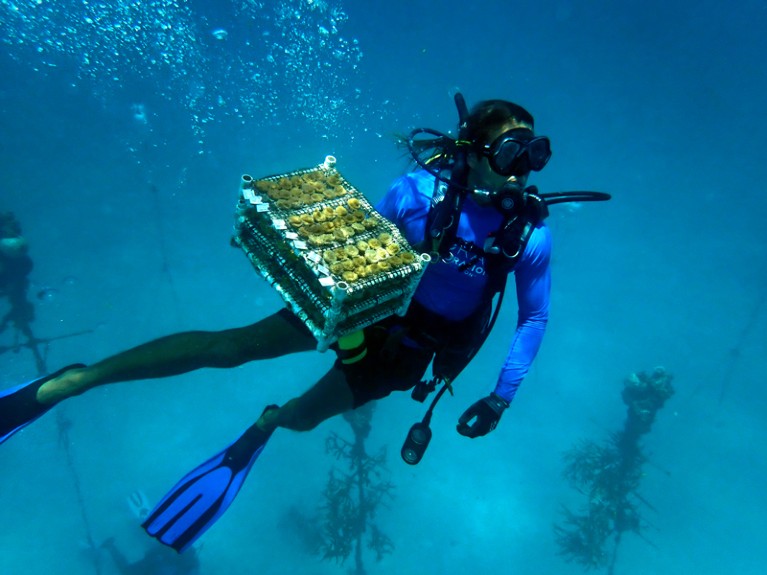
338,264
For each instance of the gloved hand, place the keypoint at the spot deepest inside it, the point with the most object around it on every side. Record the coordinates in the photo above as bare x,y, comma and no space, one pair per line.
486,413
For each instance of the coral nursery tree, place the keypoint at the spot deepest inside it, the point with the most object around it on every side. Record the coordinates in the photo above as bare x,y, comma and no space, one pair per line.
352,496
609,474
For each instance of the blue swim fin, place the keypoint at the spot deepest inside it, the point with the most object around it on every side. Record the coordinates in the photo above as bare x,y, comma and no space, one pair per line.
205,493
19,406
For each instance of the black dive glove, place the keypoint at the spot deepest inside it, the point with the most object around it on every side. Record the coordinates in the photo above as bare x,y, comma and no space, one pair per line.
486,414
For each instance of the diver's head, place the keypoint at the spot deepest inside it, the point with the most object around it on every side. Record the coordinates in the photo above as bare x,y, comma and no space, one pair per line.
503,145
12,244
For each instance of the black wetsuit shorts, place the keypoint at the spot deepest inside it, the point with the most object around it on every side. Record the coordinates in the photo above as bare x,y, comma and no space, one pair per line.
389,365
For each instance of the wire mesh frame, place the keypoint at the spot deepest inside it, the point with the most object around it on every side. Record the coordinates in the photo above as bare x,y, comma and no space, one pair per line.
327,305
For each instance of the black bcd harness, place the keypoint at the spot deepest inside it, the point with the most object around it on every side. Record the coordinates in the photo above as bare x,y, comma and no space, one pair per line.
523,210
455,346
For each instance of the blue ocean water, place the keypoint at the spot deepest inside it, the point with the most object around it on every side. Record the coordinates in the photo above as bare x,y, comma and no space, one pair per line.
125,128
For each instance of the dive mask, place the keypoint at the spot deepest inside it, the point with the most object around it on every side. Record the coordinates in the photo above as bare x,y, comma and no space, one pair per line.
516,152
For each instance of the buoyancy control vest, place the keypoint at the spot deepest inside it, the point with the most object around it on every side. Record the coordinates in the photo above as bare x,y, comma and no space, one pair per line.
456,343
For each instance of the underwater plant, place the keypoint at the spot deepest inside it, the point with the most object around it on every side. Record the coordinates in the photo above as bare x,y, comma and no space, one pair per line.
352,496
609,475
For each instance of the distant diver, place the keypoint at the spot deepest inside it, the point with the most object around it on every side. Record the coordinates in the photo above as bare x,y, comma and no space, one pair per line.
15,267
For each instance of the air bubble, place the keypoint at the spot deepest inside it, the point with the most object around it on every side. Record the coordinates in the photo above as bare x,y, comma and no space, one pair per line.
162,41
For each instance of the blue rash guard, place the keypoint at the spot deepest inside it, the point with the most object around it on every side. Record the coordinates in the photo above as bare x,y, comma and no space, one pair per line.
454,294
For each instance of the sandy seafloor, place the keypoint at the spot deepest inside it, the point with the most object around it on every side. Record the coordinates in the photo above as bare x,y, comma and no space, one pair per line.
129,218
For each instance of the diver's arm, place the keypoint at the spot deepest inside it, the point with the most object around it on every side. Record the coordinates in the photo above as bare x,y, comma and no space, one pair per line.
533,282
533,279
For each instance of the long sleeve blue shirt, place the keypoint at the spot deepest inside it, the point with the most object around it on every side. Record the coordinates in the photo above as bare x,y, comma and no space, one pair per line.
454,293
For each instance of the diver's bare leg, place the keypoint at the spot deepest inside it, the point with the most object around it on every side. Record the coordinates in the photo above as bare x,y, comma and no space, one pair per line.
330,396
273,336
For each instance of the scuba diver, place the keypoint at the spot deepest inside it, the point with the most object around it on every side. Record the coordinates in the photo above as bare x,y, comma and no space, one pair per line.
15,267
467,204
